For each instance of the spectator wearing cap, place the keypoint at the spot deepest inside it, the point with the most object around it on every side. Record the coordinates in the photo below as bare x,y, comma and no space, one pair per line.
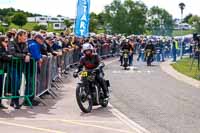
49,43
57,44
13,33
35,46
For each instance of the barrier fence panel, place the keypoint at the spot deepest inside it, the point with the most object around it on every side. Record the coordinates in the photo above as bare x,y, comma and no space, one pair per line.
43,77
76,54
71,57
66,60
17,80
99,50
54,70
49,71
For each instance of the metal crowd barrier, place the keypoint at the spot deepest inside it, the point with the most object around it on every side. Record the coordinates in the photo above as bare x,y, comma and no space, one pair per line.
76,55
17,80
43,75
66,60
106,50
25,80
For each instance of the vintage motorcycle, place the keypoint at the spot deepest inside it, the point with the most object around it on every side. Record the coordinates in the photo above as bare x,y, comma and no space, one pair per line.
88,91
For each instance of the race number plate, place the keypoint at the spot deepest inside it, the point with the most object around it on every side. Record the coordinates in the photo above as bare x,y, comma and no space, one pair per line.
84,74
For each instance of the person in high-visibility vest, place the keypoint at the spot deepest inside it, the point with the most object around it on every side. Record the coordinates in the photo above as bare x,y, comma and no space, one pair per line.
177,46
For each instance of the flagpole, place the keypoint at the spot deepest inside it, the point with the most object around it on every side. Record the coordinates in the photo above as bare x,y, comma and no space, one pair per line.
75,17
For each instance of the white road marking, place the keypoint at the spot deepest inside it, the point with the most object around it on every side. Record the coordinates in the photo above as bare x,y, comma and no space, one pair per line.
133,68
30,127
132,71
134,126
96,126
139,71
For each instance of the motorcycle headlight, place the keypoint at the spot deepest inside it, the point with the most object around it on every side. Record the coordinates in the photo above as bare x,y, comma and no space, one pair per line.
91,77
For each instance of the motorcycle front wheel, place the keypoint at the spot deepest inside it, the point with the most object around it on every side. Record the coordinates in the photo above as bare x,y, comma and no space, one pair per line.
149,61
104,103
125,63
84,100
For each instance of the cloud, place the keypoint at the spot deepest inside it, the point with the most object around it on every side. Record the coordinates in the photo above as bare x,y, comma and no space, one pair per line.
55,7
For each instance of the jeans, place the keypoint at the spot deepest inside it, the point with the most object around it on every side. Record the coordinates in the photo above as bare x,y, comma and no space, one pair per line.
130,59
15,85
162,56
141,55
174,55
158,57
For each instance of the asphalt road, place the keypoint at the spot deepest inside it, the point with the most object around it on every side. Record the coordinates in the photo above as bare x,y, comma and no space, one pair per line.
155,100
146,95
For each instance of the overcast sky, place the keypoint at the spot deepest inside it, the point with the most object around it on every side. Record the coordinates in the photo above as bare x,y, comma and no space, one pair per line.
68,7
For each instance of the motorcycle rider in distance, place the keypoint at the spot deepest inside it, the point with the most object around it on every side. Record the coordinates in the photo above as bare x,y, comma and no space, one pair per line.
149,48
125,46
91,61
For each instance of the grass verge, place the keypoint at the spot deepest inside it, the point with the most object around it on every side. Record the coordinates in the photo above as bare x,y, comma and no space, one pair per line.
183,66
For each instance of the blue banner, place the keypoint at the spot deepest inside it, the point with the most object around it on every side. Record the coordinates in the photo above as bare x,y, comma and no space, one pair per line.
82,18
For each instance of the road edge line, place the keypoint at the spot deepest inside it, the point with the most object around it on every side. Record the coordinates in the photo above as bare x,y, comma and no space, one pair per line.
133,125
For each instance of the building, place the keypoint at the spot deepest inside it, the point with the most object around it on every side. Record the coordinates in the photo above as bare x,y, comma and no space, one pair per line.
59,26
31,19
44,19
41,19
181,26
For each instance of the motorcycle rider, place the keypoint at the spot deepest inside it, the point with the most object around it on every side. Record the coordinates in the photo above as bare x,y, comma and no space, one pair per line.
91,61
149,47
125,46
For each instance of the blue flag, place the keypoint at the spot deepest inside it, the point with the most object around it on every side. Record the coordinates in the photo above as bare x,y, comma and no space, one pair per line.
82,18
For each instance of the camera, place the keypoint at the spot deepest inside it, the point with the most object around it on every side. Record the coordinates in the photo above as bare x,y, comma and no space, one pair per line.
196,38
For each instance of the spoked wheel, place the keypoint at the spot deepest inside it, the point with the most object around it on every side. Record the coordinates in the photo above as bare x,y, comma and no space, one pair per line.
149,61
125,68
125,63
84,100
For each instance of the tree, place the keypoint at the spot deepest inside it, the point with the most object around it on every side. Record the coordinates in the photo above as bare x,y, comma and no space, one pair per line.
128,17
39,27
2,29
7,20
160,22
93,22
195,21
102,18
137,16
187,18
59,15
19,19
11,11
68,23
